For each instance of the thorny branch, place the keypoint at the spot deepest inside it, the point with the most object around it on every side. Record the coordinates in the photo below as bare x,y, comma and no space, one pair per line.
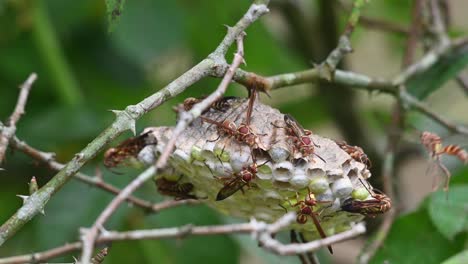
49,160
185,119
360,81
260,231
9,131
125,120
215,65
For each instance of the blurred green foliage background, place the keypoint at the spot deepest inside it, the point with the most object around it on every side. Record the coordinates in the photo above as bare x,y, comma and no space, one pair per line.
84,70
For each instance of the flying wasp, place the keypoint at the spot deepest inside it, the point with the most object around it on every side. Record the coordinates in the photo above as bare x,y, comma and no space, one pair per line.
379,204
433,144
127,149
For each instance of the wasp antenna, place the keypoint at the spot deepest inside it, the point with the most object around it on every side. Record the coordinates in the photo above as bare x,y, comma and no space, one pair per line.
368,189
320,157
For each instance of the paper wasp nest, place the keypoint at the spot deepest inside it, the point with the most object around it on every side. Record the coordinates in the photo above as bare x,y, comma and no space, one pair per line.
204,157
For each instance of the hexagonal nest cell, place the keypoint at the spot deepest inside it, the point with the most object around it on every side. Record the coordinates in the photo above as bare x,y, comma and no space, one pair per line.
214,160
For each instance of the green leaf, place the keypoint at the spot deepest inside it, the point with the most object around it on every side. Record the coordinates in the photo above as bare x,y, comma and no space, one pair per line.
423,84
413,239
460,258
196,249
147,30
460,177
114,11
450,215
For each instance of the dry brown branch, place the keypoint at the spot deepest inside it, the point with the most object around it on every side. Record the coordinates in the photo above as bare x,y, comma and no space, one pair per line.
10,129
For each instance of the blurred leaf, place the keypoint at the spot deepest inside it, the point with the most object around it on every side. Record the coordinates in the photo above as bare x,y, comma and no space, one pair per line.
449,215
143,251
398,11
413,239
53,56
263,53
460,177
194,249
148,28
54,127
114,11
255,252
314,116
157,251
76,205
460,258
69,16
423,84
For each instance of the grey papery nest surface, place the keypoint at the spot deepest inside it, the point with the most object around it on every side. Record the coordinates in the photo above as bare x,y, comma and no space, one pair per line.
203,156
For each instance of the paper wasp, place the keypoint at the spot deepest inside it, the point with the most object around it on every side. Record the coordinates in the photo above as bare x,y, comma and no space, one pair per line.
127,149
243,133
239,180
222,104
300,136
357,153
379,204
433,143
305,210
178,190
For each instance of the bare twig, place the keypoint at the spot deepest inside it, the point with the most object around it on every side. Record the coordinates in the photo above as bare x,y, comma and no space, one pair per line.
10,129
187,117
261,231
411,101
125,120
393,141
462,80
344,43
414,34
49,159
236,32
438,24
293,249
374,23
42,256
345,78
